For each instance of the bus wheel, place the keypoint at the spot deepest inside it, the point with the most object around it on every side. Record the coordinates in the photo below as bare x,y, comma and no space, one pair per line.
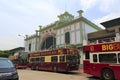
107,74
54,69
37,68
32,68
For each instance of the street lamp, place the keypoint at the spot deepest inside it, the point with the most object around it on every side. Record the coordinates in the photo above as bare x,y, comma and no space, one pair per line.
21,36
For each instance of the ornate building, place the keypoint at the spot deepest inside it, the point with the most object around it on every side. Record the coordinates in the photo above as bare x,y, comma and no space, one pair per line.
68,31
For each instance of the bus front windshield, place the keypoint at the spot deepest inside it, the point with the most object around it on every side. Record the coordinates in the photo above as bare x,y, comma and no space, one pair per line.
71,58
20,61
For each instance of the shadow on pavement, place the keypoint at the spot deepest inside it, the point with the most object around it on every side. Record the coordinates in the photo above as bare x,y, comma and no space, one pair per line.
93,78
70,73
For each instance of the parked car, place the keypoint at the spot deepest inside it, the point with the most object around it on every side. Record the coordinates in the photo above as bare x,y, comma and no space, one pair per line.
7,70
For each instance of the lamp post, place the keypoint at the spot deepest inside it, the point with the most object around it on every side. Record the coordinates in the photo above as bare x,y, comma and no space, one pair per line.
24,39
22,36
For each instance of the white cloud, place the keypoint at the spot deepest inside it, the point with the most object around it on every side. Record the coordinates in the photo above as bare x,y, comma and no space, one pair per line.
106,18
103,5
110,6
30,7
11,42
109,17
24,16
87,4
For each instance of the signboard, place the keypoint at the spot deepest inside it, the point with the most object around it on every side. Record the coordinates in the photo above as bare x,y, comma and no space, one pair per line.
106,47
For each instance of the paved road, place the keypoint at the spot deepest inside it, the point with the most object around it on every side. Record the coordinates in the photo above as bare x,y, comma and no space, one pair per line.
44,75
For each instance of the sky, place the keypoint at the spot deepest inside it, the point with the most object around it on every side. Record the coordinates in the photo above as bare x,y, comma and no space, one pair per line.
22,17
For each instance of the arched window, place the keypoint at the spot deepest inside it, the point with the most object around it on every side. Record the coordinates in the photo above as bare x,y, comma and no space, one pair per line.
49,43
67,37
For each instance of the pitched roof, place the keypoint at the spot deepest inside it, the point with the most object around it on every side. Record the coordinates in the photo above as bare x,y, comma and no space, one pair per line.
111,23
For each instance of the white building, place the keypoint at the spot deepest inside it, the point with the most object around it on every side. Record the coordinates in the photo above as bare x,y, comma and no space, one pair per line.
68,31
31,42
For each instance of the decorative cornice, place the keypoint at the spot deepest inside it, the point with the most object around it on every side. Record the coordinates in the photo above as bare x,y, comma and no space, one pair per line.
91,23
48,26
32,36
77,20
65,14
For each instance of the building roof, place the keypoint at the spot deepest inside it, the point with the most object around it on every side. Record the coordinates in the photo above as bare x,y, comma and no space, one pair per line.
17,49
109,32
111,23
66,19
100,34
76,20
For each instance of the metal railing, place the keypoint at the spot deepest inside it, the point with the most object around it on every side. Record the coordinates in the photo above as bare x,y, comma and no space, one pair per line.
104,40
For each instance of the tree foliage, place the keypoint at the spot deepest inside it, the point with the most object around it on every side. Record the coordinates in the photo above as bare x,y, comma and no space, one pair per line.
4,53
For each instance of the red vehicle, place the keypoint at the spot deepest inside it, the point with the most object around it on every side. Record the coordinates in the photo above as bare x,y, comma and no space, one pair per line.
20,60
20,63
102,60
61,60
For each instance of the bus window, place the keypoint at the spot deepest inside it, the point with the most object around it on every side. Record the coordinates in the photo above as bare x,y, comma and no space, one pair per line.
70,58
32,60
22,61
42,59
108,58
37,59
54,58
62,58
87,55
119,57
94,57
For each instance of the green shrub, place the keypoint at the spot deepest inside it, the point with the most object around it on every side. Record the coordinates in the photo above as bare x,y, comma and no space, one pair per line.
4,54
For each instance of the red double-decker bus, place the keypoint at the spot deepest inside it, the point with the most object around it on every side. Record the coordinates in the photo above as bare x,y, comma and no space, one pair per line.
102,60
60,60
20,60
